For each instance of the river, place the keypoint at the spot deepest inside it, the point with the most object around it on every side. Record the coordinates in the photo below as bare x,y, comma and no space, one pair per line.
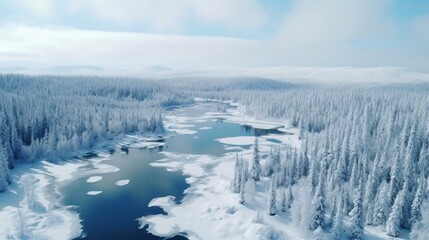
112,213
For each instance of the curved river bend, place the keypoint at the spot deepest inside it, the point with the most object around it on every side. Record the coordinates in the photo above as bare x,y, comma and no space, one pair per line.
112,213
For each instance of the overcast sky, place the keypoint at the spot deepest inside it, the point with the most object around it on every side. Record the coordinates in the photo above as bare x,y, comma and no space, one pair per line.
136,34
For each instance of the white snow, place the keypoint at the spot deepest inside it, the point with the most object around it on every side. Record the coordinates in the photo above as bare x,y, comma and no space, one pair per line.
94,179
235,116
47,218
183,131
210,211
93,193
122,182
175,123
240,141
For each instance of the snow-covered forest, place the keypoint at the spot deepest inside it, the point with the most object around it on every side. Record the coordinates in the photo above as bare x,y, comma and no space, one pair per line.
364,157
50,116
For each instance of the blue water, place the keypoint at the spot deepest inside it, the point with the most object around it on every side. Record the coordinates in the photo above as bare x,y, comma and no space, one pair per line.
113,213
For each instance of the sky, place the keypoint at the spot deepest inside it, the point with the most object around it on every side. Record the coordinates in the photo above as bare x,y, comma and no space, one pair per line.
138,35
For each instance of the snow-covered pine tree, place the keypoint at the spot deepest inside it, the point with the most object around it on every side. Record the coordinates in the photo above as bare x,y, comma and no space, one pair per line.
301,130
337,227
420,230
272,200
255,168
314,173
412,154
340,170
416,207
236,181
242,192
293,167
305,160
394,221
318,206
290,198
5,138
395,176
273,162
370,192
4,170
244,177
424,160
357,215
283,206
382,204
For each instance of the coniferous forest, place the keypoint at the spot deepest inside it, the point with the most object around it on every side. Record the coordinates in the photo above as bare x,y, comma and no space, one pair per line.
364,152
364,155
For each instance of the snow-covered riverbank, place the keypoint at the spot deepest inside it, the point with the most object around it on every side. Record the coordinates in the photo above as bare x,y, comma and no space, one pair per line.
211,211
39,214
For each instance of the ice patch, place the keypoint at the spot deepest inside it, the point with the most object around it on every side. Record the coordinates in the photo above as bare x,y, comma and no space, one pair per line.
205,128
240,141
94,179
249,121
93,193
166,201
122,182
183,131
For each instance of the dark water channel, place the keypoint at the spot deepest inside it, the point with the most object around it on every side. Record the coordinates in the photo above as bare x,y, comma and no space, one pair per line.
112,214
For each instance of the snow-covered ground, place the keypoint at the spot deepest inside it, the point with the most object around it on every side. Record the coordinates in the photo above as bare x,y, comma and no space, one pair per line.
209,209
43,216
39,214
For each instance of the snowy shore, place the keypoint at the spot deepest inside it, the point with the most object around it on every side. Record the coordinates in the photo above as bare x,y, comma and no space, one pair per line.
211,211
39,214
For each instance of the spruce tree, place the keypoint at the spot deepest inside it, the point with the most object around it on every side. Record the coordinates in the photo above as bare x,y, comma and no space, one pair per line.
395,176
236,181
283,201
290,198
416,207
318,207
356,215
381,205
394,221
272,201
337,227
4,170
244,177
255,170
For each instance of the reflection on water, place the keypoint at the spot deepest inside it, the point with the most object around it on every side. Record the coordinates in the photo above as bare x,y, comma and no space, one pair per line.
260,132
112,214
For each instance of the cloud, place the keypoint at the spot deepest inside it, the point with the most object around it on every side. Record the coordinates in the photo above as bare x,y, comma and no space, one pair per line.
328,33
319,23
43,46
173,15
118,49
323,75
39,8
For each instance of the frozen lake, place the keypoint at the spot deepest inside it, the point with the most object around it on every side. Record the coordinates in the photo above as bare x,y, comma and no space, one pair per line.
110,203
